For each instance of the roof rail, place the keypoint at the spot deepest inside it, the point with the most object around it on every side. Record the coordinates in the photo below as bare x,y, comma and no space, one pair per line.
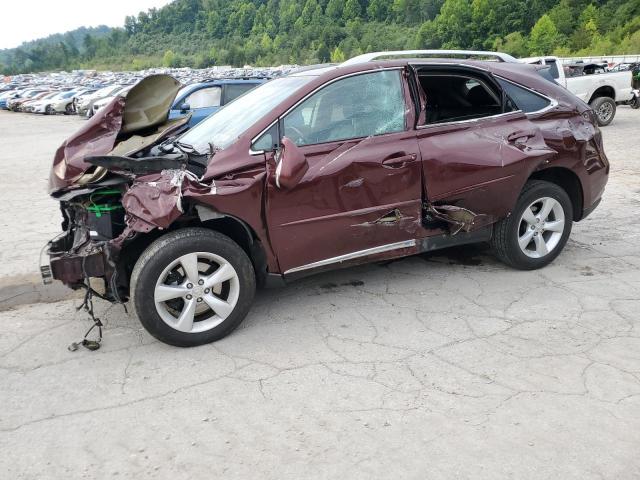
368,57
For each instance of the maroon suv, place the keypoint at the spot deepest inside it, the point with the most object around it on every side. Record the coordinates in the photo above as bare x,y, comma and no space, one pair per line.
370,160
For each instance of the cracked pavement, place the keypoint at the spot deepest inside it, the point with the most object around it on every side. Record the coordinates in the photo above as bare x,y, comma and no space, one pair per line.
440,366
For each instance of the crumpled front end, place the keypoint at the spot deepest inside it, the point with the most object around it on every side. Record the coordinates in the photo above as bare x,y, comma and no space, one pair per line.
91,196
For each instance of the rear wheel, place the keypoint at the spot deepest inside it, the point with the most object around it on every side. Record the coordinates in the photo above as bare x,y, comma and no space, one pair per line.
192,287
605,109
538,228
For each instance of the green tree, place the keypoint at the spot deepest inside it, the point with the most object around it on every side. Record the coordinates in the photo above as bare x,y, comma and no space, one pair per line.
544,36
351,10
378,10
453,24
334,9
169,59
323,53
337,56
427,36
563,17
514,44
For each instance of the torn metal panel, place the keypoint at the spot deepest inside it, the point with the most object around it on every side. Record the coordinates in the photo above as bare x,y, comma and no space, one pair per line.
136,143
155,199
146,106
138,165
395,219
394,216
148,103
458,218
96,137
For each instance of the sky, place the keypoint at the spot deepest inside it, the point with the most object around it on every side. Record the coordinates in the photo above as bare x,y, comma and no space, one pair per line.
24,20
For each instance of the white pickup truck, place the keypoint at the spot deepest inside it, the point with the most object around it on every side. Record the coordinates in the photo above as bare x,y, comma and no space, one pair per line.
600,89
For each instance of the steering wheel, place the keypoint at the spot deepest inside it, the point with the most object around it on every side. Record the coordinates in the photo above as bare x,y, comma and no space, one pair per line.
300,135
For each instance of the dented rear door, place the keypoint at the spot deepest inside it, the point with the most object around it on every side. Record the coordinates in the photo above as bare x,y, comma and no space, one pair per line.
482,164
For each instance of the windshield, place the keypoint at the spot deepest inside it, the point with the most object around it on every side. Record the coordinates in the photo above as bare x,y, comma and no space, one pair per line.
227,124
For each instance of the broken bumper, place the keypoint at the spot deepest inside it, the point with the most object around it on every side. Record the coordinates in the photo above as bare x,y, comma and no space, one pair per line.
74,267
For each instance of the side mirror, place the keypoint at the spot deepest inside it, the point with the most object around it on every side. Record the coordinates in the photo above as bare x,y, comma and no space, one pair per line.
292,165
184,108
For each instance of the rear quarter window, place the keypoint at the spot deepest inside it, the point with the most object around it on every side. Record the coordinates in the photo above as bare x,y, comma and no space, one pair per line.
524,99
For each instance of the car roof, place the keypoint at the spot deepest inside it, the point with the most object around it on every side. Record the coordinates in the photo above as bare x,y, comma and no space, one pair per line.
349,68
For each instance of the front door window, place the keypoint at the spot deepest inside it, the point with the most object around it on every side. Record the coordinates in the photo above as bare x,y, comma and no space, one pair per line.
354,107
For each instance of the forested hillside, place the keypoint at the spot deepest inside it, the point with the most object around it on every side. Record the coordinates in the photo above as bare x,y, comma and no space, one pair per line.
201,33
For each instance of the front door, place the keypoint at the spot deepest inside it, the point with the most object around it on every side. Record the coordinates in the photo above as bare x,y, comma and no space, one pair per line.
361,195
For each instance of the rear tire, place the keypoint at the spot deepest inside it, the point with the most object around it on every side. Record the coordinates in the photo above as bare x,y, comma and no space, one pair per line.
192,286
605,110
538,228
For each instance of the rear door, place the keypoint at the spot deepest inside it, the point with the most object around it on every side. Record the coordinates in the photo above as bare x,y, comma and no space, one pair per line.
477,147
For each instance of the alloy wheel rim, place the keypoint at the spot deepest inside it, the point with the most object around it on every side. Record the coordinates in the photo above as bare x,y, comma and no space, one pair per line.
196,292
541,227
604,111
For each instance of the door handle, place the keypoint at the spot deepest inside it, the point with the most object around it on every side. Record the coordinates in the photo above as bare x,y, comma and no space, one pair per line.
398,162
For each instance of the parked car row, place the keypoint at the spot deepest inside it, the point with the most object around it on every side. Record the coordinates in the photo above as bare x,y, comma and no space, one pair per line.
85,92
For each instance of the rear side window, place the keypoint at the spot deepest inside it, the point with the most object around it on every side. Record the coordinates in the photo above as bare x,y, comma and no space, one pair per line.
233,91
453,97
525,100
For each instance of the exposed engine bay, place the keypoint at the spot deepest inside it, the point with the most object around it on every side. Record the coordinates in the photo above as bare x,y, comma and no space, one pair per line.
94,171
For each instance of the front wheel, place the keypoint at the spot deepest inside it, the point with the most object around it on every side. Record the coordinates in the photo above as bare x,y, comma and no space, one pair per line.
635,103
605,109
538,228
192,287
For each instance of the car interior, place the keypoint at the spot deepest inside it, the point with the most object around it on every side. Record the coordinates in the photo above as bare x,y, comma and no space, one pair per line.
452,97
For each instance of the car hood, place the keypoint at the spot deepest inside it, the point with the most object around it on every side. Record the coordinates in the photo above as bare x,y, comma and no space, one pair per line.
113,128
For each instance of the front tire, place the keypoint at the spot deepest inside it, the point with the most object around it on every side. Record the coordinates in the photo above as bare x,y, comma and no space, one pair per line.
192,286
605,109
538,228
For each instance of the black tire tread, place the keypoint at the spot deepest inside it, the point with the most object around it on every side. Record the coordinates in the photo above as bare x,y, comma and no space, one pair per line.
181,339
501,230
595,104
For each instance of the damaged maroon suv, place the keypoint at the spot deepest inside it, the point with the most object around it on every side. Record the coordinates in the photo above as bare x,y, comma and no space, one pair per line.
374,159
